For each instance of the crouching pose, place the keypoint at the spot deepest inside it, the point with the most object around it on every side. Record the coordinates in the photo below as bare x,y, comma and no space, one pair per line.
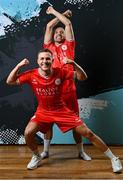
46,82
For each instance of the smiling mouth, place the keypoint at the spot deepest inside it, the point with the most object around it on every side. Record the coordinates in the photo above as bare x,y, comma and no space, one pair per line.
45,65
59,36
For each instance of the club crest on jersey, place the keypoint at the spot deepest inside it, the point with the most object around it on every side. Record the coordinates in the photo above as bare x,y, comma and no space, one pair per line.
58,81
64,47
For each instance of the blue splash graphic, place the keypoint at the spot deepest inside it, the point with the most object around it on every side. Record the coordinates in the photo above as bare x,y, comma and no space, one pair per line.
18,10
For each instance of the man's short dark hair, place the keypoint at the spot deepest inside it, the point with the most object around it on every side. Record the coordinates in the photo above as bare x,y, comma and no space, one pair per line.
58,26
45,50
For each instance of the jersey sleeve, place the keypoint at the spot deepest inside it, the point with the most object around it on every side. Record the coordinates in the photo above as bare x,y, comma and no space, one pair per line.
46,46
24,77
67,74
71,43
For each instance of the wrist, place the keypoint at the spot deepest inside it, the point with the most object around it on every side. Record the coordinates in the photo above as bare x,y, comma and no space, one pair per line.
54,12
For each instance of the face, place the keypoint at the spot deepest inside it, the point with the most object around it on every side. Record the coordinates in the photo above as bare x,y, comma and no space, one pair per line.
59,35
45,60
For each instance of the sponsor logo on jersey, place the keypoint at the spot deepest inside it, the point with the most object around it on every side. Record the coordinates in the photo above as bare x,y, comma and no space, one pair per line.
47,91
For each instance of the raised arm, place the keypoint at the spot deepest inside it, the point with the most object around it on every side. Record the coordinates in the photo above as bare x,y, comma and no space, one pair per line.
59,17
80,74
13,76
51,24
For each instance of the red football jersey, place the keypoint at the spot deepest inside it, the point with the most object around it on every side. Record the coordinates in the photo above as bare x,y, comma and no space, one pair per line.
47,90
66,49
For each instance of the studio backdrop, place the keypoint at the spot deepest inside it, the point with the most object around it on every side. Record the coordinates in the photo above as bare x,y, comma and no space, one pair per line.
98,29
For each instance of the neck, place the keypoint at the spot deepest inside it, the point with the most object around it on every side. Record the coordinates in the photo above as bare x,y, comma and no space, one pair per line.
45,74
59,43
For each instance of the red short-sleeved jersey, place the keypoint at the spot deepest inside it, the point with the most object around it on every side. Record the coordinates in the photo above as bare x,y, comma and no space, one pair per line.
66,49
51,107
48,91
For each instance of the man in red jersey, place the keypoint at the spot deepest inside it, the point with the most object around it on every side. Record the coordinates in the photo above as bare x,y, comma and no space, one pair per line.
62,43
47,83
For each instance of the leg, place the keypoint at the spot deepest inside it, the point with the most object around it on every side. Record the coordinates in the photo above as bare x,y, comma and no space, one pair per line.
94,139
47,138
30,132
79,143
86,132
72,103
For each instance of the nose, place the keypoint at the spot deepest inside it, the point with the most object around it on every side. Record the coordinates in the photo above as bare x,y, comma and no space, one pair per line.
44,60
59,33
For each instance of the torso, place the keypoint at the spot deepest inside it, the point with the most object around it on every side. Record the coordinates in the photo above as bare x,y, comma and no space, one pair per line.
48,90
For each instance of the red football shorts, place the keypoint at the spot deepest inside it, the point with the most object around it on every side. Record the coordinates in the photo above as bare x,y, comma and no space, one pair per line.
64,118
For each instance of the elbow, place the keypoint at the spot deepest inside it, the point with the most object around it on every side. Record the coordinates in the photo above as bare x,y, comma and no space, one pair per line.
49,26
9,82
83,78
68,23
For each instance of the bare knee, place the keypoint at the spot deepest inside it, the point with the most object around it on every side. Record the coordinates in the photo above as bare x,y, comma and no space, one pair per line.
28,133
77,137
31,129
89,134
85,131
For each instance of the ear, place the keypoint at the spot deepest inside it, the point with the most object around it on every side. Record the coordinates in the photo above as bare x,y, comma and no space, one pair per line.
37,60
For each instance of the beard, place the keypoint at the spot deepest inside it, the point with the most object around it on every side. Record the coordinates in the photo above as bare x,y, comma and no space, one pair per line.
59,40
47,65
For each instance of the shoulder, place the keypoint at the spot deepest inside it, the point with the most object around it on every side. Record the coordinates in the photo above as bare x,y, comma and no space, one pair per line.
48,44
32,71
62,71
35,70
70,41
68,44
57,70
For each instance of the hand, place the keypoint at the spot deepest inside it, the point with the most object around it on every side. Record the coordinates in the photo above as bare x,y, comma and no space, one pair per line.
23,62
67,61
49,10
68,13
